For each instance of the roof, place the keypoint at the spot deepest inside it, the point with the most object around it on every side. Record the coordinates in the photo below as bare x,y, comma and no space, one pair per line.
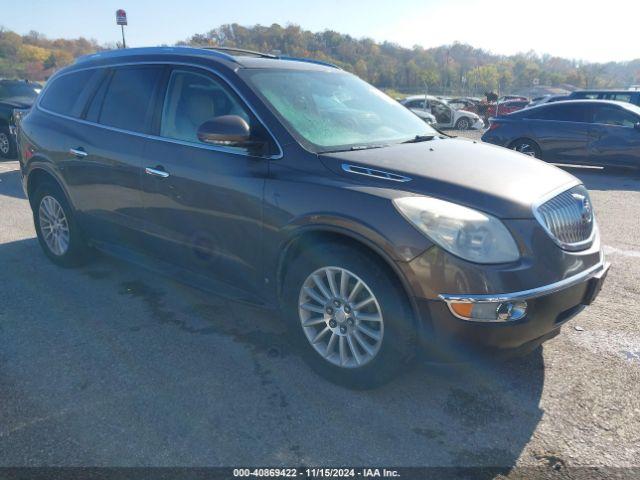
606,90
235,58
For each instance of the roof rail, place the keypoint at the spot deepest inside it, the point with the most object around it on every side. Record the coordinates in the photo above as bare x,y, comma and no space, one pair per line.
269,55
309,60
123,52
239,50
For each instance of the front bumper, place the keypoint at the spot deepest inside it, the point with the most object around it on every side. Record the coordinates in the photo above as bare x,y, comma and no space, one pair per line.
549,307
478,125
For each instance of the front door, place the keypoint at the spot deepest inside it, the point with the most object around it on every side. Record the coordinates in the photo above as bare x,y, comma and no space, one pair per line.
203,203
442,112
614,138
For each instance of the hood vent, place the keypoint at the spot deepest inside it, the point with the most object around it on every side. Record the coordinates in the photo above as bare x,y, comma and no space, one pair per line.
372,172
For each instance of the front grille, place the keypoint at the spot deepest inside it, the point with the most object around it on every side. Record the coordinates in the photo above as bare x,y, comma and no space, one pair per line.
568,218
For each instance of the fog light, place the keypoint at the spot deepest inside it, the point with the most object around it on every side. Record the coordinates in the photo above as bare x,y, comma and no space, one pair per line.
489,311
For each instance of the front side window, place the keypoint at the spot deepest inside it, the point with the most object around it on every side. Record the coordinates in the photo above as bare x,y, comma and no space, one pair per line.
127,101
334,110
65,95
610,115
192,99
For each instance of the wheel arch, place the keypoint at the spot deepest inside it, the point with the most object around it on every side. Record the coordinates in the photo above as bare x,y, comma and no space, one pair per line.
39,174
306,237
523,138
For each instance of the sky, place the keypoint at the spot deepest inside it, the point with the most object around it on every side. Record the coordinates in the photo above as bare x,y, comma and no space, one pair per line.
591,30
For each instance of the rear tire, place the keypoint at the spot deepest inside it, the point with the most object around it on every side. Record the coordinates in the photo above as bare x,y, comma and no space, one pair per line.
364,346
7,145
527,147
58,233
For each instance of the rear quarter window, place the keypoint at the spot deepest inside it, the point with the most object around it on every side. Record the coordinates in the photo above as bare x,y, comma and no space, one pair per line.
67,94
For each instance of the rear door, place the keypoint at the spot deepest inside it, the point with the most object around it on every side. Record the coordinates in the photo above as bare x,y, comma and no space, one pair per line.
105,173
562,131
204,203
614,139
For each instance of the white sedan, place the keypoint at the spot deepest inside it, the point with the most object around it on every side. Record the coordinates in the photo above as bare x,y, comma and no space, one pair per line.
446,116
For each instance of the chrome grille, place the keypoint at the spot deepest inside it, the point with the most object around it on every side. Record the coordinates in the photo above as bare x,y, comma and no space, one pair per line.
568,218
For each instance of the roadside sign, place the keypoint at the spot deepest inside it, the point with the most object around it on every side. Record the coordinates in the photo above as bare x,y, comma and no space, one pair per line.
536,81
121,17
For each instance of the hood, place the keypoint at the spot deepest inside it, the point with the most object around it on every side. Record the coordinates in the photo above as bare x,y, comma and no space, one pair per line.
18,102
493,179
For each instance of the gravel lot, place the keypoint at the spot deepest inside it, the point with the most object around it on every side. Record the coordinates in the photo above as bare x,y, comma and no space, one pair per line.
110,365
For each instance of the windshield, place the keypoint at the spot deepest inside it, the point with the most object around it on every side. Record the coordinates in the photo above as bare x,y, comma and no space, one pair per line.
14,90
329,111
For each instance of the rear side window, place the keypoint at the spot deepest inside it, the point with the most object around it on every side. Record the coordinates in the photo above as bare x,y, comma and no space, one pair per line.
127,102
67,94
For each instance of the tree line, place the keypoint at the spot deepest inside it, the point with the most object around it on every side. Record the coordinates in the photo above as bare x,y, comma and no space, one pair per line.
456,68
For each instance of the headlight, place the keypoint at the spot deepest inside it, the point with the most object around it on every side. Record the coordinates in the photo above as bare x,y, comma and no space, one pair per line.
467,233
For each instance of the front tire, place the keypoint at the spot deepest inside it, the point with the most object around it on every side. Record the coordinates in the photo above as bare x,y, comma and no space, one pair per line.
58,233
7,145
346,312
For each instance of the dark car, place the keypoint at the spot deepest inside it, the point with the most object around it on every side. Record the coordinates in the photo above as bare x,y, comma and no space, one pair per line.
298,187
585,132
14,95
630,96
506,107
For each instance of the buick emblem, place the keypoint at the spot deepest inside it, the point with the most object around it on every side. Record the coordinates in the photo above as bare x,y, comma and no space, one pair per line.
584,205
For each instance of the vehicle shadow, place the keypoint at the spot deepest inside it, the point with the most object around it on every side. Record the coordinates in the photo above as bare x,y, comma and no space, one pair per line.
607,179
10,183
140,370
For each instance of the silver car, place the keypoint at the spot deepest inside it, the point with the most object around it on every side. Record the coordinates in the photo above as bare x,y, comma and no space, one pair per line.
446,116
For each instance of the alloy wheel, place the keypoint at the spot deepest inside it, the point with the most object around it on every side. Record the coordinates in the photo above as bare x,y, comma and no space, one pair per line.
4,144
54,225
525,148
463,124
341,317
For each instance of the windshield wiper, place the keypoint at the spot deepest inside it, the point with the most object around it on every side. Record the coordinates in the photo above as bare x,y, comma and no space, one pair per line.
420,138
356,147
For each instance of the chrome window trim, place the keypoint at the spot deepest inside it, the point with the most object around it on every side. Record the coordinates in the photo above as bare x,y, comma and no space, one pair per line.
224,79
590,272
571,247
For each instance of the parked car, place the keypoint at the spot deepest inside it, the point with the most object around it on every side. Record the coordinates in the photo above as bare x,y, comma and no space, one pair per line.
296,186
14,95
506,107
446,116
630,96
421,113
506,98
586,132
547,99
465,104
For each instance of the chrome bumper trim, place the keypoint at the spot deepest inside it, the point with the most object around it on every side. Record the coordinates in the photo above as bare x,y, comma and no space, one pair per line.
594,271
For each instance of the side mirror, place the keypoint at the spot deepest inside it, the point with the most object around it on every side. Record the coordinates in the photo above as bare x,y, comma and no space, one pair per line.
226,130
637,126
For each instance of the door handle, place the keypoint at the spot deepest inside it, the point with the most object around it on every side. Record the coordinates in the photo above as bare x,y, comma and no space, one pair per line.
156,172
78,152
